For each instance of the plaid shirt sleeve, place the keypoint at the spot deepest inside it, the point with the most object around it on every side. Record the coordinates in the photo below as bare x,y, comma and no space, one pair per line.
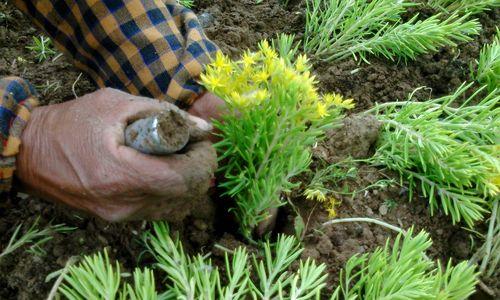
153,48
17,99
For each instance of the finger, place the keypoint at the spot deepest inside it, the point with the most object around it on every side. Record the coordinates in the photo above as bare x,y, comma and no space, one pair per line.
141,107
196,166
174,175
199,129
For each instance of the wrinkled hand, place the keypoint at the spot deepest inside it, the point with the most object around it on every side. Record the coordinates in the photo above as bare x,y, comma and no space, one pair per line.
74,153
208,107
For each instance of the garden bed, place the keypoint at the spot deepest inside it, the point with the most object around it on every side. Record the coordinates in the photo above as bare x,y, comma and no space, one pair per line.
238,25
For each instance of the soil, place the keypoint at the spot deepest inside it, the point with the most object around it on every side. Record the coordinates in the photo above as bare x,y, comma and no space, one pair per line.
172,129
236,26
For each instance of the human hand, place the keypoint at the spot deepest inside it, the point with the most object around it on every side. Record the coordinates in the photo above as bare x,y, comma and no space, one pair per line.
208,106
74,153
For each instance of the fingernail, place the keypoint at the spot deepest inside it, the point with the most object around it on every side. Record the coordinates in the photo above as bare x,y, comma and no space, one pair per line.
200,123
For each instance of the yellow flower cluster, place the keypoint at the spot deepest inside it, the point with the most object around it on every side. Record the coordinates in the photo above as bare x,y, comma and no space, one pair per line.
329,202
263,76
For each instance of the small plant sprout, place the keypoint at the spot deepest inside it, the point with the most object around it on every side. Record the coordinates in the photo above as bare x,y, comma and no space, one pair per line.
391,204
94,278
284,43
488,65
42,48
34,237
337,29
329,175
275,116
194,277
404,272
186,3
446,149
49,88
464,6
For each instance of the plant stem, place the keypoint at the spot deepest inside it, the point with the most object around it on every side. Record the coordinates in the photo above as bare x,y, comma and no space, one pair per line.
59,280
489,238
367,220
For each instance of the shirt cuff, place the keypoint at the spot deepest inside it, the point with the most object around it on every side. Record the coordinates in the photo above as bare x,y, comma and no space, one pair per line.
17,100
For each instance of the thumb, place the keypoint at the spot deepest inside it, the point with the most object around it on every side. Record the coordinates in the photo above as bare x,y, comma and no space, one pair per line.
199,129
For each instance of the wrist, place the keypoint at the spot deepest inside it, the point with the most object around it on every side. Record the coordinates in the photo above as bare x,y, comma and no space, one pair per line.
29,147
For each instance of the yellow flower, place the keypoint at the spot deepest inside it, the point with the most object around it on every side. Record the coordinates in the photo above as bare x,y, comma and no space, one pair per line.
238,99
289,75
337,100
222,62
301,63
261,76
332,212
330,205
260,96
314,194
211,81
321,110
248,59
311,95
494,184
266,49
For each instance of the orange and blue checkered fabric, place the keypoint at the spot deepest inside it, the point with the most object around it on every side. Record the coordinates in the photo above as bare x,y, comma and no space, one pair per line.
153,48
17,99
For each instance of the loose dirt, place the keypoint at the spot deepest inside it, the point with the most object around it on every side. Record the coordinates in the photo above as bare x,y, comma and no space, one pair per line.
236,26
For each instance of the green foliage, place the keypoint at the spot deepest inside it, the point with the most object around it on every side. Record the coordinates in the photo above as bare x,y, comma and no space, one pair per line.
284,44
488,65
324,186
97,278
404,272
275,116
42,48
464,6
447,149
398,272
34,236
489,253
144,287
94,278
324,176
186,3
194,277
337,29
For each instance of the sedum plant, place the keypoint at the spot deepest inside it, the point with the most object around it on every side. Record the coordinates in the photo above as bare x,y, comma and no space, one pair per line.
95,277
404,272
488,64
194,277
447,149
275,116
464,6
337,29
33,236
401,271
